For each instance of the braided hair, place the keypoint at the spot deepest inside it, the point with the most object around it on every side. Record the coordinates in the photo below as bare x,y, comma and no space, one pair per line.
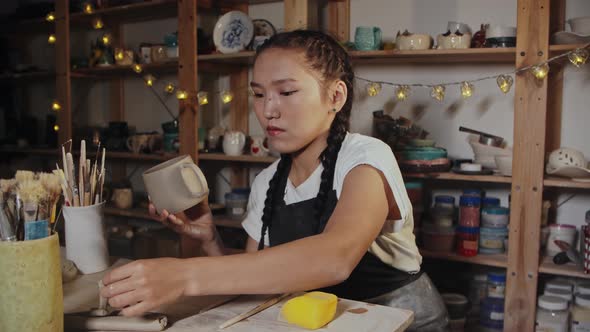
326,56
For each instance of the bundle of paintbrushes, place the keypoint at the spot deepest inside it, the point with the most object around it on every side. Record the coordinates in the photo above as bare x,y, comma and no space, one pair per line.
28,205
87,189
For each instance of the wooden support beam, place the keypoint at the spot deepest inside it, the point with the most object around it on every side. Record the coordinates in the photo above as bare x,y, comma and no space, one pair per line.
239,110
301,14
555,82
530,111
187,77
63,87
339,19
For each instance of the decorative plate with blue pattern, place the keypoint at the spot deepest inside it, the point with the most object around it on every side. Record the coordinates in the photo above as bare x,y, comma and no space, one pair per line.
233,32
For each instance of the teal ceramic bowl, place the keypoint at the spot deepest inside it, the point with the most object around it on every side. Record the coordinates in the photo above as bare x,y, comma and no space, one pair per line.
427,153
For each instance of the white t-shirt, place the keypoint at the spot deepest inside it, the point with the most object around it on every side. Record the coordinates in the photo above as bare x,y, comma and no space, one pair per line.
396,244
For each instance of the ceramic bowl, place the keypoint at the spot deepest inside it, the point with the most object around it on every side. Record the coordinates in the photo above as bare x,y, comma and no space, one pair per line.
453,41
485,154
498,31
413,42
504,164
580,25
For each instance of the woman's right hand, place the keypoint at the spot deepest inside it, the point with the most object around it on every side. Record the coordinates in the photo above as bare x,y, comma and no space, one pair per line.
195,222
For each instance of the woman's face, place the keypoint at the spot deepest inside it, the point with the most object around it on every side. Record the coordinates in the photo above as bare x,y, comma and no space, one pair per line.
289,101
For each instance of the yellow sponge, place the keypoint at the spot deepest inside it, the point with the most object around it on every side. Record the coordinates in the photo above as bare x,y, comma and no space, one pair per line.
311,310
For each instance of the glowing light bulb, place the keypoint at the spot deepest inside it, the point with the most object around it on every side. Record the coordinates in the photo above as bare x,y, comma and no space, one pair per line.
149,80
402,92
169,88
50,17
97,24
56,128
504,82
438,92
227,96
203,98
106,39
181,95
540,71
88,8
55,106
51,39
119,54
467,90
373,89
578,57
137,68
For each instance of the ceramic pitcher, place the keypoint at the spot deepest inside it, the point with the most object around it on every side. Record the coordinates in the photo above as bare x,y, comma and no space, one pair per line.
233,143
367,38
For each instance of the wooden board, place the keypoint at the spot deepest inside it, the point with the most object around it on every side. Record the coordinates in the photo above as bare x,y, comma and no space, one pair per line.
339,20
81,294
530,112
300,14
63,87
498,260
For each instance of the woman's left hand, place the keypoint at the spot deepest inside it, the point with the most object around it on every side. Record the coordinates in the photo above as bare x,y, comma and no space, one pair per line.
144,285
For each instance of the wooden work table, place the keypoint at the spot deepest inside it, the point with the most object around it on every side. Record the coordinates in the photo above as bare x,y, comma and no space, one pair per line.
81,294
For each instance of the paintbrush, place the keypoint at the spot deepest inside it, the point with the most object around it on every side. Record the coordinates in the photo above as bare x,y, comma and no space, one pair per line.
72,180
52,184
263,306
81,171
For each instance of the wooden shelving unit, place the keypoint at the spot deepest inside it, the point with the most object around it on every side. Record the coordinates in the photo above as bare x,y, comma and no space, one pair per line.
117,71
554,181
447,176
536,117
568,270
140,213
27,76
488,260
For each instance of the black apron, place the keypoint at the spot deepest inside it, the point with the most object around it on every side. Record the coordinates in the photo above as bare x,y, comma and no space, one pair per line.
370,278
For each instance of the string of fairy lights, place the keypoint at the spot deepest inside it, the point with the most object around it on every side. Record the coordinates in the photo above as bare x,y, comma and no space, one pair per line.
402,91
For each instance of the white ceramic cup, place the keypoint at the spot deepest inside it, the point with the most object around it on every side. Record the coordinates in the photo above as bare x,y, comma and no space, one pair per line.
176,185
86,244
233,143
462,27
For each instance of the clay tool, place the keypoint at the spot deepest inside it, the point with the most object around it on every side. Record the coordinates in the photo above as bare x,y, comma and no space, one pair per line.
261,307
103,309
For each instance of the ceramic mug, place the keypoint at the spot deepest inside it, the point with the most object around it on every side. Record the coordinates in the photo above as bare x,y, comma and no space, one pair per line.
367,38
233,143
176,185
122,198
257,148
138,143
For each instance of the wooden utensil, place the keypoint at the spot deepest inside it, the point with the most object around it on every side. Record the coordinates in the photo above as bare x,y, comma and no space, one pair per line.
266,304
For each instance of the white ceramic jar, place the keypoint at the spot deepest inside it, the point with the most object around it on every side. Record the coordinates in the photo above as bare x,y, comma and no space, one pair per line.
563,232
581,314
552,314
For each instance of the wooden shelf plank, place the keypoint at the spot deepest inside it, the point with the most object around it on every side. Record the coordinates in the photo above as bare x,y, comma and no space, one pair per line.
468,55
141,213
115,70
559,182
149,10
447,176
570,270
560,49
110,154
498,260
240,58
242,158
26,76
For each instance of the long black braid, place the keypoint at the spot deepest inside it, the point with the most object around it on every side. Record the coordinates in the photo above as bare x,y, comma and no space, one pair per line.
327,57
